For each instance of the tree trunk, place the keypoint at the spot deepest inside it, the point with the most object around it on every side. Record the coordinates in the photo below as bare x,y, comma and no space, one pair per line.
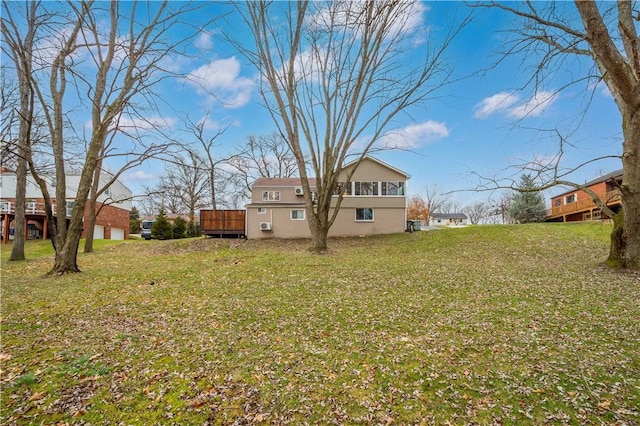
90,226
627,254
617,249
17,251
66,258
319,239
318,225
93,197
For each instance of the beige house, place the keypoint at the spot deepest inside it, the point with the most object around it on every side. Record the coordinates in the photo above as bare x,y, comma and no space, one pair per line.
374,203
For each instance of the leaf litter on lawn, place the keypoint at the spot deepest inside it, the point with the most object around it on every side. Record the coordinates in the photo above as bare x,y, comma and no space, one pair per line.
484,325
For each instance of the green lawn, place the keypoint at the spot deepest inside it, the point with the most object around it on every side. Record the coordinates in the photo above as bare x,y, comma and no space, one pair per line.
479,325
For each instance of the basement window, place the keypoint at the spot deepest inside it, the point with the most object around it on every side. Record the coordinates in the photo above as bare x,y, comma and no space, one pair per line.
364,215
297,214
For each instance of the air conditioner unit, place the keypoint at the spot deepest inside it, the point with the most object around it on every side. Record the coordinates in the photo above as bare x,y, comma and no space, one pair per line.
265,226
299,190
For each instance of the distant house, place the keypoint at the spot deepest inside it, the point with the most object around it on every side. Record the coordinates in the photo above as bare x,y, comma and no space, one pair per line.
577,205
112,221
374,203
447,219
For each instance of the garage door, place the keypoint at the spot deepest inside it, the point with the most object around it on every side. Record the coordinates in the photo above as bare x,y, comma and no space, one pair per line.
98,232
117,234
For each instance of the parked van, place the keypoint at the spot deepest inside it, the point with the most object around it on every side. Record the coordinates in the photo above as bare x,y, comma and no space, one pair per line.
146,226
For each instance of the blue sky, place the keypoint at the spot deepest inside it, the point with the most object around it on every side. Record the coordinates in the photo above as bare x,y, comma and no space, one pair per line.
481,123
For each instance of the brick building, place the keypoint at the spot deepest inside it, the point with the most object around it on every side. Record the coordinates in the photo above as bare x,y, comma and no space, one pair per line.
113,207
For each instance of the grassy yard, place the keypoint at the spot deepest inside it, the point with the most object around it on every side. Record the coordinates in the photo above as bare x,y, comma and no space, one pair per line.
479,325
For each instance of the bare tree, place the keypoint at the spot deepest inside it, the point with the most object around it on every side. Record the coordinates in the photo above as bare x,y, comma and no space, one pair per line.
266,156
138,151
501,207
333,80
185,185
434,199
19,47
208,143
607,35
128,65
477,212
9,100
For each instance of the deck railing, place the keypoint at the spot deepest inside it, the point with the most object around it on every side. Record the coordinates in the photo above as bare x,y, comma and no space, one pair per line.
30,208
609,198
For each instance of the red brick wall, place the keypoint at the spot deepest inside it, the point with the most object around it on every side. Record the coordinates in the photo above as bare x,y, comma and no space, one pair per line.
111,217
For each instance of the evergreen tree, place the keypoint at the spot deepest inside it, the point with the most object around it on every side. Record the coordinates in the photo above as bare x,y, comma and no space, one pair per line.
134,214
179,227
193,230
134,226
161,229
527,204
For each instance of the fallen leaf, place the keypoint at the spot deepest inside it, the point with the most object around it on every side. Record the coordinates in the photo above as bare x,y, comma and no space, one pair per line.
37,396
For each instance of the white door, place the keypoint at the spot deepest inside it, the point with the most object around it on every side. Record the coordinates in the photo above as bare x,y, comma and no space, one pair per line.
117,234
98,232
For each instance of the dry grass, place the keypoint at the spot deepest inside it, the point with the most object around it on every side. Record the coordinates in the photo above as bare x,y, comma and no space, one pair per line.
481,325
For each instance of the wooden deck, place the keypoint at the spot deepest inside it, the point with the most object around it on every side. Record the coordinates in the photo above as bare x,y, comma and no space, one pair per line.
611,199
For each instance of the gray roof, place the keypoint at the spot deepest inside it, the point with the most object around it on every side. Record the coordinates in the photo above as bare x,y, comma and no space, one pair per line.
449,215
616,175
604,178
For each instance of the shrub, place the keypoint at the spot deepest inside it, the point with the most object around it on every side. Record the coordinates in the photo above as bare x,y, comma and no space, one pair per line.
134,226
193,230
179,227
161,229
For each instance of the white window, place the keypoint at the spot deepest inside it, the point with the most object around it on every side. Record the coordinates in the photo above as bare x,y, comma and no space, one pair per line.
69,207
364,215
343,187
365,188
392,188
570,199
262,210
297,214
270,195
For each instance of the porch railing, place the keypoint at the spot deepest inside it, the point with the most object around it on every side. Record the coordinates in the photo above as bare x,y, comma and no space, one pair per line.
609,198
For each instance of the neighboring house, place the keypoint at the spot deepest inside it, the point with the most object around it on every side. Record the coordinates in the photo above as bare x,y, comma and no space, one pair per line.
113,206
374,203
577,205
447,219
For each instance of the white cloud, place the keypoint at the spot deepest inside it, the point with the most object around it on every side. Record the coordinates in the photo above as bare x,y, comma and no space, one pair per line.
534,106
511,104
221,80
138,176
408,16
498,102
204,42
415,135
140,124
